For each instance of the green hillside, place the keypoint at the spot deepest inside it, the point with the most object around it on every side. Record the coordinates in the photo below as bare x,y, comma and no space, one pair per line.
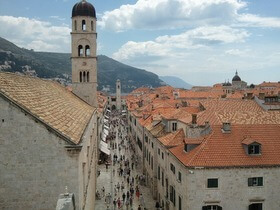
58,65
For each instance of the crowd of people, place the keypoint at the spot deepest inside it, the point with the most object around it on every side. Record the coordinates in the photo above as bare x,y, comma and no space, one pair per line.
123,164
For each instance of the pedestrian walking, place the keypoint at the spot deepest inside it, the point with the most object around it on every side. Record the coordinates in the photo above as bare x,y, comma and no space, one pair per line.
119,203
142,200
137,193
123,196
103,191
115,203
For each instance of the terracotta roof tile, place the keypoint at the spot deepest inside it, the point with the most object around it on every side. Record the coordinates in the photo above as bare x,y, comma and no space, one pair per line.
49,101
173,139
226,149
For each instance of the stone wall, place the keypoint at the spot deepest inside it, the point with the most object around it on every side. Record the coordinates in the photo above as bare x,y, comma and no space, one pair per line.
34,164
233,191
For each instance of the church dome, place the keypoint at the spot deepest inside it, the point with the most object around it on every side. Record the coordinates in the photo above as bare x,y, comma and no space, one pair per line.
83,8
236,78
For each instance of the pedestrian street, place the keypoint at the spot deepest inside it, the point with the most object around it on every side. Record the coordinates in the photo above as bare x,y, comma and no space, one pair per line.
119,185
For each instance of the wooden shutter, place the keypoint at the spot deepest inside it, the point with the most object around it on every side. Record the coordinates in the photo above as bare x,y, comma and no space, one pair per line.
260,181
250,182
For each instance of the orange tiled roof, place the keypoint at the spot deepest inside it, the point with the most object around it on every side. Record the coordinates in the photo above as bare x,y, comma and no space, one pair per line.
237,112
53,104
173,139
226,149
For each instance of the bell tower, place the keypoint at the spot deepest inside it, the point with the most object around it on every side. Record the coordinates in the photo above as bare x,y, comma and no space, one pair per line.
84,59
118,95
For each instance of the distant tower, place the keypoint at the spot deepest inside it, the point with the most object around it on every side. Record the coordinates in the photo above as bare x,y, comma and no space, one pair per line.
84,60
118,94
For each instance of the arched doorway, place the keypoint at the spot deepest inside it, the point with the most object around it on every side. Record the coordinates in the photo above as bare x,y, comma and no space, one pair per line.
113,107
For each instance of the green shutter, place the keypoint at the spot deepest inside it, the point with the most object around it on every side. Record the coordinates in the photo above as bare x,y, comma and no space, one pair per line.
250,182
260,181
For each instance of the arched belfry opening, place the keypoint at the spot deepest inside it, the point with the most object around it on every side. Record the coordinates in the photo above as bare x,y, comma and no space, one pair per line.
84,76
87,76
87,51
80,51
84,25
81,76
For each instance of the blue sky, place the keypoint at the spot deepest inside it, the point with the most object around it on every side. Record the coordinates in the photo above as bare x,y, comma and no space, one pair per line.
200,41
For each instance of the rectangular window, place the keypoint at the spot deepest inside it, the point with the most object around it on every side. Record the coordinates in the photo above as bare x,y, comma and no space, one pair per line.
139,143
174,126
152,163
158,174
152,145
255,206
255,181
172,195
212,183
162,178
162,155
158,151
180,203
254,149
179,176
172,168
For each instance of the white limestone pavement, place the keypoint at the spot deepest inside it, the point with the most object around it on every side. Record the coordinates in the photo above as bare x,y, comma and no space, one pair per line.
108,180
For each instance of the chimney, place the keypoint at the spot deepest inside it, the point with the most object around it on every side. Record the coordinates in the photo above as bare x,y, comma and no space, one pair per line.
226,127
194,118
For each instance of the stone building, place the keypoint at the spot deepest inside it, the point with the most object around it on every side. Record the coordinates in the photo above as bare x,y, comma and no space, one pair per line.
47,141
210,153
237,83
48,135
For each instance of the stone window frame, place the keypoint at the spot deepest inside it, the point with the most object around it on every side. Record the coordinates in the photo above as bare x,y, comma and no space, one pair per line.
208,183
255,181
174,126
254,149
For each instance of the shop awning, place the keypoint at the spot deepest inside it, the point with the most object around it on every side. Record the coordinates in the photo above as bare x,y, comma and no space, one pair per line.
104,147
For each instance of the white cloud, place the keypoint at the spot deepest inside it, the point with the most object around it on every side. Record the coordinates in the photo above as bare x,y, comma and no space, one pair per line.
35,34
177,45
237,52
56,17
170,14
257,21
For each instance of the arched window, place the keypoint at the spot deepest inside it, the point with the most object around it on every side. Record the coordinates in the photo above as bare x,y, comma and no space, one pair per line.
84,26
81,77
87,50
80,50
84,76
92,25
75,25
87,76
